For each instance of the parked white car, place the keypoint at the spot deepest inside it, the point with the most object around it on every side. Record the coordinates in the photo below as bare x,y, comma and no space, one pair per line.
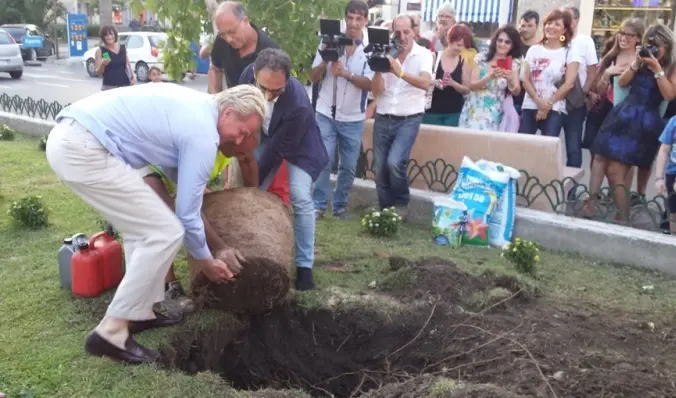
10,56
144,50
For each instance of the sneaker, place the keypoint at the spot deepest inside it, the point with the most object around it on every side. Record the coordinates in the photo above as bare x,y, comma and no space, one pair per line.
342,214
304,279
174,294
319,214
402,211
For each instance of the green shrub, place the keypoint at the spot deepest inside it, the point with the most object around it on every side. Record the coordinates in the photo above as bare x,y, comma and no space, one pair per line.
43,143
29,212
523,254
7,133
383,223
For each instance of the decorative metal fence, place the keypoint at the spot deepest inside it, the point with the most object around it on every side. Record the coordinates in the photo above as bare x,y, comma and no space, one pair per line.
563,196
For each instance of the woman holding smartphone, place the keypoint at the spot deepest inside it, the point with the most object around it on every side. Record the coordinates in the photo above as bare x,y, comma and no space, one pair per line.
112,61
450,81
494,77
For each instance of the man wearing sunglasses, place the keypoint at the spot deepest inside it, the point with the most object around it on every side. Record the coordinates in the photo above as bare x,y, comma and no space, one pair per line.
290,133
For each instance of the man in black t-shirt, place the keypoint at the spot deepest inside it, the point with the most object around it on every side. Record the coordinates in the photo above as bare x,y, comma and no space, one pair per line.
528,27
236,46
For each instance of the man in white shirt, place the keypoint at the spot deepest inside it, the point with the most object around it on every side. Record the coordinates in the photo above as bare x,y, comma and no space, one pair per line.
573,125
401,105
347,81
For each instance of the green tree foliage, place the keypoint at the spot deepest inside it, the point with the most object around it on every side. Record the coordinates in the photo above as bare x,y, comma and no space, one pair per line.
292,24
37,12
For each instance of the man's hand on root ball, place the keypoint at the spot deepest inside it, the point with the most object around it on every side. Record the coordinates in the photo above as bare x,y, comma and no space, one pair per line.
217,271
232,258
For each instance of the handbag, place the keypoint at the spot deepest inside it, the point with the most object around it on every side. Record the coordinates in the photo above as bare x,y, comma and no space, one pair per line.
430,89
575,98
510,119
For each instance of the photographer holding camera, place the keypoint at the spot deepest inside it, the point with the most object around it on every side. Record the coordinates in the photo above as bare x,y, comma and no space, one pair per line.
629,136
341,104
401,105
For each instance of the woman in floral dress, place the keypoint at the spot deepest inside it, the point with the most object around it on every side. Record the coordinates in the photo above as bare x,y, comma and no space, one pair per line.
490,84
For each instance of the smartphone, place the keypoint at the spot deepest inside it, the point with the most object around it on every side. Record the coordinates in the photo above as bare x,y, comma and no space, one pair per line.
105,55
505,63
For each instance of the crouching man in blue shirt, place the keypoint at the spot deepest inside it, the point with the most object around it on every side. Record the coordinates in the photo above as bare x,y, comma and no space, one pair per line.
289,132
96,146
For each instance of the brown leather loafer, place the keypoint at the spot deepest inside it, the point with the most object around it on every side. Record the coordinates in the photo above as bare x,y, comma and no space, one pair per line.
133,353
160,321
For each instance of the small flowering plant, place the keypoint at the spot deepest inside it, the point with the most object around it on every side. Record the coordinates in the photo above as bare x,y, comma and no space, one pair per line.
7,133
524,254
383,223
29,212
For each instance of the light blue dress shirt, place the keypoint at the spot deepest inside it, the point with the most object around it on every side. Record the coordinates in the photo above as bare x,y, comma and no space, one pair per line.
162,124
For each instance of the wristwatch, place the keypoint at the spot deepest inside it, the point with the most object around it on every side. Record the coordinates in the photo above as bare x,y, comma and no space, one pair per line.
659,74
349,79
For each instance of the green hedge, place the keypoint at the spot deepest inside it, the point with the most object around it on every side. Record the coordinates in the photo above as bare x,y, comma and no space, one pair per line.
93,30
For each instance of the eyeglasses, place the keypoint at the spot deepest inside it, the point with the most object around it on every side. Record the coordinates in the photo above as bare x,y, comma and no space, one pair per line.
627,34
503,41
275,93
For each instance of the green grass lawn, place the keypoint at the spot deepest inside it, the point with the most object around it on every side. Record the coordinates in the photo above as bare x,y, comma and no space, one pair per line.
42,328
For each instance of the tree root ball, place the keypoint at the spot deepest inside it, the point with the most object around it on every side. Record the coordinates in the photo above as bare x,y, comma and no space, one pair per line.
260,226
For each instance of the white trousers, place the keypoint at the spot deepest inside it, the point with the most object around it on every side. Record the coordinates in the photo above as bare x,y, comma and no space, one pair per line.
152,233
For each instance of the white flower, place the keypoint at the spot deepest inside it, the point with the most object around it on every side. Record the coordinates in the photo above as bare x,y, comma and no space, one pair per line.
376,214
376,224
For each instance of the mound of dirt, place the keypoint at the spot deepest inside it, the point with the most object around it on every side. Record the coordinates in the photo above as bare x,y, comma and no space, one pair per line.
429,348
260,226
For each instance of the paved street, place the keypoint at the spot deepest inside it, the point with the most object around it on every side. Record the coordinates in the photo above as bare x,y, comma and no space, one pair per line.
64,83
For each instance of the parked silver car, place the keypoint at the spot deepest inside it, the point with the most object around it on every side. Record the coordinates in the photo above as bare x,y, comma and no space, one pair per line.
10,56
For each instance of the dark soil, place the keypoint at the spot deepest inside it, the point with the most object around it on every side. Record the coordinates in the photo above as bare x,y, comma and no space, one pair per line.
516,345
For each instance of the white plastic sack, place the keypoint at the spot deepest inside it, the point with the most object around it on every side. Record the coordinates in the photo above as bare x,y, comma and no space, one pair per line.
501,222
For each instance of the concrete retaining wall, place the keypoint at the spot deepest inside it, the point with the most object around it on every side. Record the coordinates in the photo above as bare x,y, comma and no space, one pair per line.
603,241
27,125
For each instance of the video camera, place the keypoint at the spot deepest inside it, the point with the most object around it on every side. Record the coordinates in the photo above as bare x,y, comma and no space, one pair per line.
333,40
380,46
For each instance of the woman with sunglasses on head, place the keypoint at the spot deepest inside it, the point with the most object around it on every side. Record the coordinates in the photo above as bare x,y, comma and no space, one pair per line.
620,54
494,77
629,135
549,75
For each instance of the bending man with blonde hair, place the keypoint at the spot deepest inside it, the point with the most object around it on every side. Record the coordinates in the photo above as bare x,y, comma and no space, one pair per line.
95,147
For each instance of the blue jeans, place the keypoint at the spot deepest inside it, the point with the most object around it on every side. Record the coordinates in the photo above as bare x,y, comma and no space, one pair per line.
392,143
573,126
300,195
550,127
347,135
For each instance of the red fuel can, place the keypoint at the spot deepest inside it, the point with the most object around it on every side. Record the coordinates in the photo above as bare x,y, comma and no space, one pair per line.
111,256
86,271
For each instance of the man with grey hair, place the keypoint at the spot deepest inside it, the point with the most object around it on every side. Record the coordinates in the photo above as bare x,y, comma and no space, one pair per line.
236,46
444,20
95,147
290,133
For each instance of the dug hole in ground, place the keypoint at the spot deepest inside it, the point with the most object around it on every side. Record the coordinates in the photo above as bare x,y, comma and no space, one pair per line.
428,329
